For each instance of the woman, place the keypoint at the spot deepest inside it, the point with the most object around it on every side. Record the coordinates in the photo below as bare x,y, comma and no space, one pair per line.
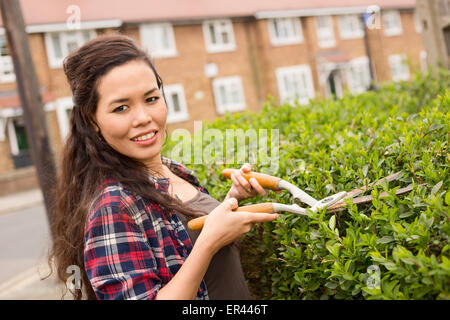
122,208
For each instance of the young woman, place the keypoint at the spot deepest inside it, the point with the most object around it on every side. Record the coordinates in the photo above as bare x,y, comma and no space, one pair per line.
122,207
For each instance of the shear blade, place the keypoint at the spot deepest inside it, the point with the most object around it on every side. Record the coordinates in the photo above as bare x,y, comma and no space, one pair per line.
328,201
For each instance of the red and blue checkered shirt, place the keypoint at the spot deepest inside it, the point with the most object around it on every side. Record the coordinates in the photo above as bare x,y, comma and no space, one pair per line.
132,246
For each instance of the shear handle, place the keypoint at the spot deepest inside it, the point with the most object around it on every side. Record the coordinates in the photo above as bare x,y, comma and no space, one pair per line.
197,223
275,183
265,180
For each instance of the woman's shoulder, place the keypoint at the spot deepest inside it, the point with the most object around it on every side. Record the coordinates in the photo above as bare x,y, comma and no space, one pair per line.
111,195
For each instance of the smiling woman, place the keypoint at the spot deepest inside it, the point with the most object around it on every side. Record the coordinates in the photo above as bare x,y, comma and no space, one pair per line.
122,207
131,116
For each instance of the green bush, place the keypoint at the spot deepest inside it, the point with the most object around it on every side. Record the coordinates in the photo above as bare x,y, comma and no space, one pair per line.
339,145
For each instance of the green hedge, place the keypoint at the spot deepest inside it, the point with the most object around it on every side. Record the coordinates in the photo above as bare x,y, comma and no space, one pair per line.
335,145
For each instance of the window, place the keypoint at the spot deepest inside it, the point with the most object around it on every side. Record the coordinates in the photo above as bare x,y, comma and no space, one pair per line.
358,75
6,65
176,103
228,94
158,39
63,109
399,67
219,35
392,23
17,136
417,22
325,32
350,27
284,31
60,44
295,83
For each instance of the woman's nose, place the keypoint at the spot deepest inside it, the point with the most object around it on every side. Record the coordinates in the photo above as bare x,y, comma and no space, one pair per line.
142,115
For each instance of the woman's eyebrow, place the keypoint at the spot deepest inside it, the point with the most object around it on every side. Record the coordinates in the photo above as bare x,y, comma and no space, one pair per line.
120,100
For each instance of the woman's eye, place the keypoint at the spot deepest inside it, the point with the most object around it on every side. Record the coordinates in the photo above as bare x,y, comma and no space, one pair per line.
152,99
120,109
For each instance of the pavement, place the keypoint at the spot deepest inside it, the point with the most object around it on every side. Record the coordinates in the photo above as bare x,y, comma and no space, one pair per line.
20,200
28,283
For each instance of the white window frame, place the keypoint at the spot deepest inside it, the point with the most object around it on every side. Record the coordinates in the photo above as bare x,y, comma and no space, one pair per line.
397,62
392,23
417,22
7,74
151,39
6,65
181,115
56,62
360,65
292,28
62,105
12,134
228,82
13,144
350,27
304,71
223,25
325,35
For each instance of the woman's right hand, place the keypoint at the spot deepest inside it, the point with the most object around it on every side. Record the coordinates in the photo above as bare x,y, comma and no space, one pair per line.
223,226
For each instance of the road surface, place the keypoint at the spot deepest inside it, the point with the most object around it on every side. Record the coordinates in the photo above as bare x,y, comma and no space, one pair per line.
24,245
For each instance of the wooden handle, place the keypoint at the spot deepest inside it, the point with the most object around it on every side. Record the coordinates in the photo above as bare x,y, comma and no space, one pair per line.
256,208
265,180
197,223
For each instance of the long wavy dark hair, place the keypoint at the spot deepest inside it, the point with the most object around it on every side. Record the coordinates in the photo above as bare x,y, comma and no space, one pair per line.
87,160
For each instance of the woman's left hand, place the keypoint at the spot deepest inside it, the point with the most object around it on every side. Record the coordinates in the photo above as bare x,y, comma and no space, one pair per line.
243,189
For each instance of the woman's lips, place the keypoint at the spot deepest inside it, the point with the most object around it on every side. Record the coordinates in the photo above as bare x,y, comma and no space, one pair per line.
148,141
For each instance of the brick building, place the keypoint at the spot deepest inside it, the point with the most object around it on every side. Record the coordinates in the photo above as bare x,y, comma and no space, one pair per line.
214,56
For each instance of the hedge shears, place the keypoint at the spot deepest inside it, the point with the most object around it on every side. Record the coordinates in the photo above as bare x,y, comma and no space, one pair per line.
333,203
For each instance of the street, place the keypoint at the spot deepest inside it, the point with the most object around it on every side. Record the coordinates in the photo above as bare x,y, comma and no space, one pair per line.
24,244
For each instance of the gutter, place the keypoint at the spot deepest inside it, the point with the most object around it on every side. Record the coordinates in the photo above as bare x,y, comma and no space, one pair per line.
319,12
83,25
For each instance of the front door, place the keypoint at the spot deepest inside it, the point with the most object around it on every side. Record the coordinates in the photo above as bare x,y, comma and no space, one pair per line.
334,85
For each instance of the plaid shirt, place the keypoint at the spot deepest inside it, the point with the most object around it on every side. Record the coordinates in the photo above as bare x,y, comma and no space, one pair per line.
132,246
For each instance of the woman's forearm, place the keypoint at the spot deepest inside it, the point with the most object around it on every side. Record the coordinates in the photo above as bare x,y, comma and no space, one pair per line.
184,285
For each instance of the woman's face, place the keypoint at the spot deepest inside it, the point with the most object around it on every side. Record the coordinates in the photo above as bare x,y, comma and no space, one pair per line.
131,112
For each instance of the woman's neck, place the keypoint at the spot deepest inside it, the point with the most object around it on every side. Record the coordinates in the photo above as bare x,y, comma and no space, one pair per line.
155,167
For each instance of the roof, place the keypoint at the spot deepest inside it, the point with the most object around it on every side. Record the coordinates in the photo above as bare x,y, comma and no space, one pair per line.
128,11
